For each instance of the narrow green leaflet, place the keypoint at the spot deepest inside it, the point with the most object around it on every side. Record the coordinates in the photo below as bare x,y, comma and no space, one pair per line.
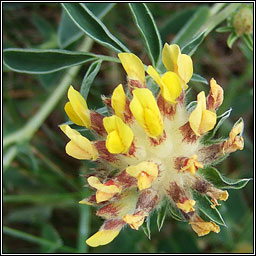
175,212
148,30
34,61
69,32
161,216
224,29
146,227
203,203
207,138
99,9
103,111
191,47
192,26
247,39
197,78
93,27
231,39
89,78
217,179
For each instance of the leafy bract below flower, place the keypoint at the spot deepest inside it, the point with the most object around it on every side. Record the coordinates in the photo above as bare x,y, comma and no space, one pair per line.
150,150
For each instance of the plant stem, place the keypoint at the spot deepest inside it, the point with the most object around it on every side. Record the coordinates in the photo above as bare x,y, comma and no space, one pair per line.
37,240
107,58
27,132
9,156
84,223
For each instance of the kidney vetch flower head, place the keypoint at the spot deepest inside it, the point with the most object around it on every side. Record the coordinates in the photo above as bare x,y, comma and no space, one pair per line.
153,150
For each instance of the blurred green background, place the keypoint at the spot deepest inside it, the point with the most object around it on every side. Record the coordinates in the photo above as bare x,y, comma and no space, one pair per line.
42,185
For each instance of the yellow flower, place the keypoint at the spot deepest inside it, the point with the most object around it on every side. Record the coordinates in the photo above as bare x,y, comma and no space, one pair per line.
102,237
145,173
215,97
145,110
179,63
192,165
135,220
202,120
79,147
149,152
235,140
77,109
120,135
118,101
187,206
133,67
203,228
104,191
169,83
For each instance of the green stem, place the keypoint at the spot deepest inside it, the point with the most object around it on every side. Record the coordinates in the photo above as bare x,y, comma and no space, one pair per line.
84,224
9,156
84,221
26,133
36,240
107,58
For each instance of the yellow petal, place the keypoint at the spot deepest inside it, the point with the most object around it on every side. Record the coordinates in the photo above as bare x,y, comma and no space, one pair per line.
120,135
102,237
145,172
79,106
235,140
202,120
133,66
155,75
145,110
203,228
223,196
79,147
154,128
170,55
144,181
170,84
196,115
215,97
171,87
208,121
72,114
103,196
95,183
118,100
185,67
114,143
236,130
187,206
149,167
192,165
134,221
